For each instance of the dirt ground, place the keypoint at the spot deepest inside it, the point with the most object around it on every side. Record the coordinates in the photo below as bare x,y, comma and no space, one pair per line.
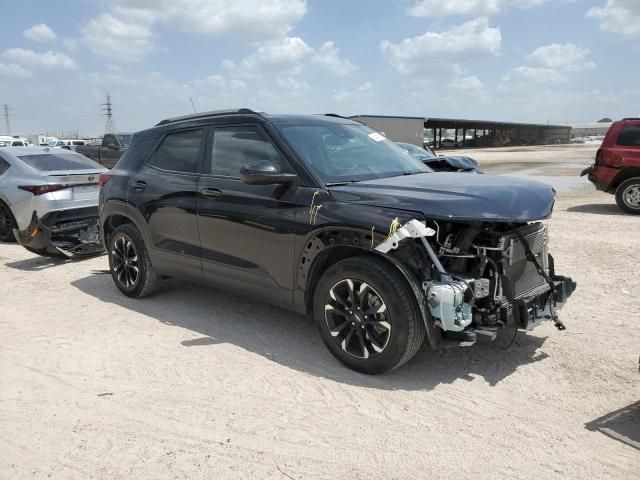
195,383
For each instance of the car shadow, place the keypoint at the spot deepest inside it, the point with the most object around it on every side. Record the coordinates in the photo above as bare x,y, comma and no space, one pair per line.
292,340
597,209
36,264
622,425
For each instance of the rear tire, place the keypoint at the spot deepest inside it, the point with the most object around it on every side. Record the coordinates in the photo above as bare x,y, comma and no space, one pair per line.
628,195
367,315
129,263
7,223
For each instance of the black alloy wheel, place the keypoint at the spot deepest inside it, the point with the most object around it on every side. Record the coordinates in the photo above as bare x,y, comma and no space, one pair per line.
357,318
129,262
367,314
7,223
125,262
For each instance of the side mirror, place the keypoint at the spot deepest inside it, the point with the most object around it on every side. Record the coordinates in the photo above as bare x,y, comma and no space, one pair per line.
112,146
264,172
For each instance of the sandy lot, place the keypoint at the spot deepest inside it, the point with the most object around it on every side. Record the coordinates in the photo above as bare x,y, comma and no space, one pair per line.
194,383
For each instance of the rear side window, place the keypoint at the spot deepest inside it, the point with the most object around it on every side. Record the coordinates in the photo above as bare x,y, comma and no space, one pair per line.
51,162
4,166
629,136
180,151
234,147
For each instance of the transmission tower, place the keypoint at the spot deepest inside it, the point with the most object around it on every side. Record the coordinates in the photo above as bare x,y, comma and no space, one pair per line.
109,126
7,124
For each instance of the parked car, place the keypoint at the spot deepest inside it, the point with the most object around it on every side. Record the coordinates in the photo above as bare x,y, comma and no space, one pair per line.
69,143
440,163
109,151
49,201
323,215
617,166
9,141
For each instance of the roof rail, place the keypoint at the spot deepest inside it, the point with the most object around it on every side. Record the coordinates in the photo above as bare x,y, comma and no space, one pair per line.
213,113
336,115
631,118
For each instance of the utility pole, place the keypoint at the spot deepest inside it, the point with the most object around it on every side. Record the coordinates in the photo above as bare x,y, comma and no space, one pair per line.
7,124
109,125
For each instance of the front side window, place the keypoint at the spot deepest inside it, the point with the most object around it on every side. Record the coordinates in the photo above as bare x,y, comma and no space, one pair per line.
180,151
235,147
349,153
629,136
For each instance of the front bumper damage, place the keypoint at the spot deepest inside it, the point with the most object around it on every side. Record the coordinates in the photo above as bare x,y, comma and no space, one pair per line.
69,233
523,292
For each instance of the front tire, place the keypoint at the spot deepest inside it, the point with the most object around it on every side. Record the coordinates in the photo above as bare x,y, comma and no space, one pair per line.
628,196
129,263
367,315
7,223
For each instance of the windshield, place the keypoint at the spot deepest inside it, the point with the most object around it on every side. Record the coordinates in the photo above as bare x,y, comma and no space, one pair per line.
51,162
125,140
350,153
417,152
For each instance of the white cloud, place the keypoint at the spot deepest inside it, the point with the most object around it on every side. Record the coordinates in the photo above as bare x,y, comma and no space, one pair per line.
328,57
466,83
567,57
13,70
284,55
439,8
621,17
358,96
251,20
533,75
459,43
40,33
30,58
117,39
70,44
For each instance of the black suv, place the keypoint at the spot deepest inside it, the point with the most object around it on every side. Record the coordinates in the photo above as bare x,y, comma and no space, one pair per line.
322,215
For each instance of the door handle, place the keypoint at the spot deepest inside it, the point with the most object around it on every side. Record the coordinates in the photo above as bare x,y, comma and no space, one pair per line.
139,185
211,192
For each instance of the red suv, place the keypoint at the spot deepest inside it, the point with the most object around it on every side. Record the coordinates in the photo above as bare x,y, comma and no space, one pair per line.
617,166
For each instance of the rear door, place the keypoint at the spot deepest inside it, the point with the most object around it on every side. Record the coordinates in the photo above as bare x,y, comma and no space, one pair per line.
246,231
164,191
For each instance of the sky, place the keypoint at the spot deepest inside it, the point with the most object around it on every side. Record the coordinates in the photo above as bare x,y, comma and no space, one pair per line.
539,61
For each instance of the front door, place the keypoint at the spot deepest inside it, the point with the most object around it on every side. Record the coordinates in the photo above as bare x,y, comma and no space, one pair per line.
246,231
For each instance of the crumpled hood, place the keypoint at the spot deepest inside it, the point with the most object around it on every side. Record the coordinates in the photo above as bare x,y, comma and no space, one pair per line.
463,163
452,196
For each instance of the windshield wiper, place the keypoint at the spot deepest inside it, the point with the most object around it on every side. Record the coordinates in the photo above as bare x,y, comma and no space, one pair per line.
338,184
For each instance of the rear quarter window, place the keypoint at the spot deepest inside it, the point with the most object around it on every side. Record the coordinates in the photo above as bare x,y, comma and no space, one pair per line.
4,166
136,153
629,136
51,162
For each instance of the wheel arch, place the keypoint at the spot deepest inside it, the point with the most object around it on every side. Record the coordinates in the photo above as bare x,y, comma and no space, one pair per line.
115,213
624,175
332,245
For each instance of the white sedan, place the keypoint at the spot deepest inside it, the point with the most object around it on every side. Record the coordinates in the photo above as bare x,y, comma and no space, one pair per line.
49,200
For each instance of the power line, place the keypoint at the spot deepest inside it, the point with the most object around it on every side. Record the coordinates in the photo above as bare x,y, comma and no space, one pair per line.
7,123
109,126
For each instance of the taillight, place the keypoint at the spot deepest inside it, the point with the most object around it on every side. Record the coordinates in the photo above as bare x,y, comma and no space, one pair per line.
104,178
42,189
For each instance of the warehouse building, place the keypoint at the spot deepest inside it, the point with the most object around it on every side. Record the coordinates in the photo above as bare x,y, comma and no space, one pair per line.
590,129
452,132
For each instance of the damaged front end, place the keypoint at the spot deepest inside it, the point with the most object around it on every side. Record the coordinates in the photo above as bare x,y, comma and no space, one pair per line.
481,277
68,233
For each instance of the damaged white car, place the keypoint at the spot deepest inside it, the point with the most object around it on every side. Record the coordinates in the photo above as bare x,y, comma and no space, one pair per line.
49,201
